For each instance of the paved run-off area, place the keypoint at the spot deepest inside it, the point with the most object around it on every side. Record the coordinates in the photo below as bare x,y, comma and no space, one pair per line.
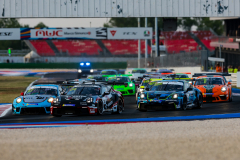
208,139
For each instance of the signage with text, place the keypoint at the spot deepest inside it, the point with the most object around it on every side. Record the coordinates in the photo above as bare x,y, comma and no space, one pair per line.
129,33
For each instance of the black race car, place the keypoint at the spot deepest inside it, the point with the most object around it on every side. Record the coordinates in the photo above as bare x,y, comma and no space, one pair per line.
89,98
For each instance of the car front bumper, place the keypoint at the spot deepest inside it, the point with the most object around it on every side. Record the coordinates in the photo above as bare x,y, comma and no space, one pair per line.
159,104
215,97
76,110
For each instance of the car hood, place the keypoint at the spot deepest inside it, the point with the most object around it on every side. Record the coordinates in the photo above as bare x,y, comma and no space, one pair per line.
78,98
36,98
209,88
159,94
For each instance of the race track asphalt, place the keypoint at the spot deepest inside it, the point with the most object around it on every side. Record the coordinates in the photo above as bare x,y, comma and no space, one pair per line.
132,112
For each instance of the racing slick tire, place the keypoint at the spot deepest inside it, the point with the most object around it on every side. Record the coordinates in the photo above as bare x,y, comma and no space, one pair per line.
230,98
200,102
184,105
140,108
119,107
100,108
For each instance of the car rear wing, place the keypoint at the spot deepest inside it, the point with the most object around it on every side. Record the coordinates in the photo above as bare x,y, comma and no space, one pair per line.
211,74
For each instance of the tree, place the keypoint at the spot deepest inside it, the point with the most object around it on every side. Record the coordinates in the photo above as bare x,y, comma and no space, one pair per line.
206,24
187,23
201,24
41,25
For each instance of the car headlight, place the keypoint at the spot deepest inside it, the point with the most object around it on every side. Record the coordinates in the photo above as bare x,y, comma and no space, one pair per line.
142,96
19,100
224,89
50,99
141,90
79,71
175,96
89,100
55,100
130,85
91,70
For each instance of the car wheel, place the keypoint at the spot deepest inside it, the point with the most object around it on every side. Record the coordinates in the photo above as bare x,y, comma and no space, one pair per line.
119,106
100,108
230,98
140,108
184,105
200,102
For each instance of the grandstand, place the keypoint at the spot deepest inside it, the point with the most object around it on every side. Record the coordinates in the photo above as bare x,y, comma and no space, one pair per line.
175,42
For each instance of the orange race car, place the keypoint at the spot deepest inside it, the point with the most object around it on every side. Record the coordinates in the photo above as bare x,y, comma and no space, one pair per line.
214,87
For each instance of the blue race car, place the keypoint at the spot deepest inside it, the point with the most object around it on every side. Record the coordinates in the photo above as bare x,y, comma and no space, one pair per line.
36,99
170,94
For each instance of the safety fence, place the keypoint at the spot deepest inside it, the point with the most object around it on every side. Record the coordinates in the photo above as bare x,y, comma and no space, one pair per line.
170,60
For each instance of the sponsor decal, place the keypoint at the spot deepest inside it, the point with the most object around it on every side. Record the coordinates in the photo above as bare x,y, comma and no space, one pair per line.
6,33
92,110
208,93
209,86
32,104
101,32
38,97
110,103
66,105
130,33
146,33
48,33
113,32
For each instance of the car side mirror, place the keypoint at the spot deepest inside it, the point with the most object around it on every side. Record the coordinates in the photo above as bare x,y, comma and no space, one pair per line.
147,89
229,83
22,94
133,81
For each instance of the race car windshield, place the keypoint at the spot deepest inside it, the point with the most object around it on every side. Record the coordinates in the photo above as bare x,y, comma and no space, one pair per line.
88,91
139,71
108,73
118,79
66,88
210,81
150,85
178,76
99,78
145,83
167,87
42,91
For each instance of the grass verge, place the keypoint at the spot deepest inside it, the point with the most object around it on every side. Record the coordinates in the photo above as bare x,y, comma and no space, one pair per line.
11,87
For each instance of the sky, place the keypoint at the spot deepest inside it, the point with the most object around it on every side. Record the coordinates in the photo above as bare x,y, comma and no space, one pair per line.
65,22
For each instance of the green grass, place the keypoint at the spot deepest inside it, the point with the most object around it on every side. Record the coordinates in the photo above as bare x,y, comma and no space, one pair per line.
11,87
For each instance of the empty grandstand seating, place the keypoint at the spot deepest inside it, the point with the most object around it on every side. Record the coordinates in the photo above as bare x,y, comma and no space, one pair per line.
182,42
42,48
125,47
175,42
78,47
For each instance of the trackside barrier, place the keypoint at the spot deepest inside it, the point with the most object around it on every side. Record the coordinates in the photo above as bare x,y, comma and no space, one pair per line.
95,65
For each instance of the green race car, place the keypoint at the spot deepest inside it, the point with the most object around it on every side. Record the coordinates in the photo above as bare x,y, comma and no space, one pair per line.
127,89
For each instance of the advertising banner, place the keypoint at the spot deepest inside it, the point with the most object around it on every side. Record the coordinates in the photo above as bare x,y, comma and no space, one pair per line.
129,33
63,33
9,33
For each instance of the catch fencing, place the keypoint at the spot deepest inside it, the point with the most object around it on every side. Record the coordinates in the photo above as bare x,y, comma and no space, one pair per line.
189,59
